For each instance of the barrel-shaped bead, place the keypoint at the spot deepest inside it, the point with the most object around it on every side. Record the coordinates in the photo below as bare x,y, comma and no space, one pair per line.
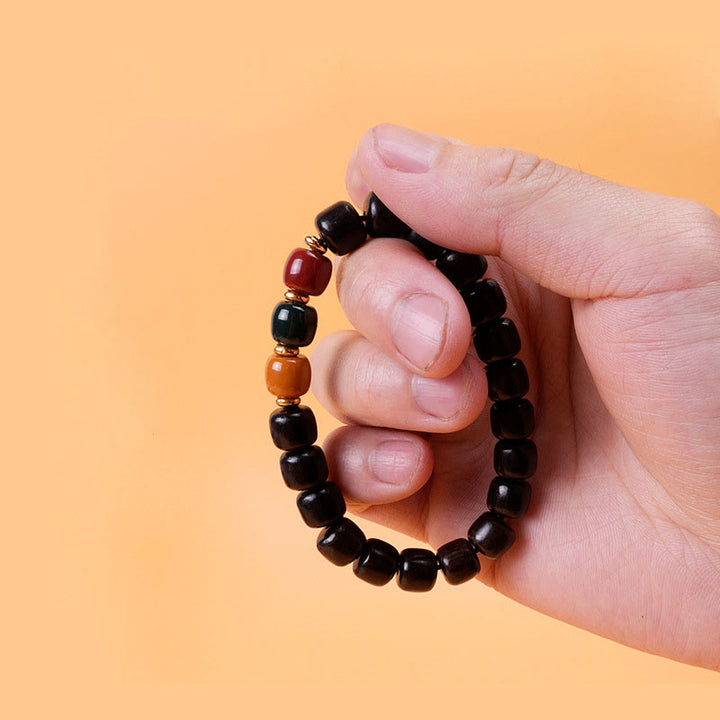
293,427
485,301
304,467
496,340
507,379
341,228
307,272
294,324
512,419
490,535
461,268
321,505
515,458
380,221
377,564
429,249
417,570
509,497
341,542
288,376
458,560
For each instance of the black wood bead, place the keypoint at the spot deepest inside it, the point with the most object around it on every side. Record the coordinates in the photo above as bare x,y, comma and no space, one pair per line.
293,426
512,419
304,468
417,570
430,250
377,563
515,458
380,222
490,535
507,379
509,497
461,268
496,340
341,228
485,301
321,505
341,542
458,560
294,324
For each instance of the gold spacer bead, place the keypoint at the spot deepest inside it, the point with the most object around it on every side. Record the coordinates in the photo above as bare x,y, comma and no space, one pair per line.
315,244
286,351
296,297
284,402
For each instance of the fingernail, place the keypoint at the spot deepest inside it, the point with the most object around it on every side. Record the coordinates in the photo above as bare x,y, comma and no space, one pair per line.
394,461
406,150
419,327
443,398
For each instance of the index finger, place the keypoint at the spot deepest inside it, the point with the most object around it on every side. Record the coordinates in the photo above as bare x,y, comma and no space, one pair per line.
405,306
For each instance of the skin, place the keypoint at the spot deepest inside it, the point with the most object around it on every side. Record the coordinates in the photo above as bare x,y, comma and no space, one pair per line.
616,294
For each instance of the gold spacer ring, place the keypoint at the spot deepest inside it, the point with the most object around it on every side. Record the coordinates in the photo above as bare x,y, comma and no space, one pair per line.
296,297
285,401
315,244
286,351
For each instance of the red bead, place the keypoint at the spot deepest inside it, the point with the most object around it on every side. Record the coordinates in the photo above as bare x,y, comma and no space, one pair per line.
307,272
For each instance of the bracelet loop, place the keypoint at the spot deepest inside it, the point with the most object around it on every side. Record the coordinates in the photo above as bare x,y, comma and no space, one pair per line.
294,430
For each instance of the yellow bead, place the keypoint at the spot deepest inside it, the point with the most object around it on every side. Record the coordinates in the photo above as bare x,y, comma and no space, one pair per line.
288,376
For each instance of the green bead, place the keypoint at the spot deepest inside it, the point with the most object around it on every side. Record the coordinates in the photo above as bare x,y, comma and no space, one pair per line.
294,324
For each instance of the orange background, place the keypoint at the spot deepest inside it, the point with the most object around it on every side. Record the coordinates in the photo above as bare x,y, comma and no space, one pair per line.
159,161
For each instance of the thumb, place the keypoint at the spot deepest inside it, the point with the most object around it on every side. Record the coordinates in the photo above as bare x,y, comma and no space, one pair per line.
573,233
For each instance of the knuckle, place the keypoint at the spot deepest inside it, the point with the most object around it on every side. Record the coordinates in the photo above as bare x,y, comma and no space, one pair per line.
526,172
705,220
368,377
363,286
354,287
361,380
510,182
330,360
702,233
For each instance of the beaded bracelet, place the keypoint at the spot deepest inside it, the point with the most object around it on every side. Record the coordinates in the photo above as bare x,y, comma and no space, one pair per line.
294,430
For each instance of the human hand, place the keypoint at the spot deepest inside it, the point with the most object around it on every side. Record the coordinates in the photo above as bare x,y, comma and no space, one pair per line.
616,295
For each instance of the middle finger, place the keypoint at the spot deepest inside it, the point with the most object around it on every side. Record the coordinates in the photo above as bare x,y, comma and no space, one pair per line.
360,384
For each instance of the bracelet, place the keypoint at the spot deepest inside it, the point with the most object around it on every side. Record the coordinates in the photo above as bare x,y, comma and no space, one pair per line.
294,429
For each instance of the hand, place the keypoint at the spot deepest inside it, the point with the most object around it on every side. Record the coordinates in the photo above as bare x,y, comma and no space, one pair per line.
616,294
